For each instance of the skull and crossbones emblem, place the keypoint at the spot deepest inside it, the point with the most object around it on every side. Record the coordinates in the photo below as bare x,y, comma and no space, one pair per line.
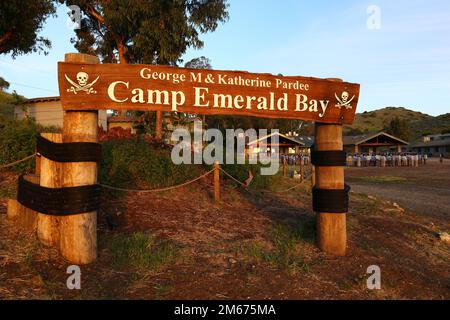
344,100
82,85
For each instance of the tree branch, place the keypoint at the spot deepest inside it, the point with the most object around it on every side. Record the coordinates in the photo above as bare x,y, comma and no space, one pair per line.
8,35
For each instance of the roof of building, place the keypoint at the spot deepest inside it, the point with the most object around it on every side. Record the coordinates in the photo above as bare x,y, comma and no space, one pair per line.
435,143
356,140
308,141
41,99
437,135
279,134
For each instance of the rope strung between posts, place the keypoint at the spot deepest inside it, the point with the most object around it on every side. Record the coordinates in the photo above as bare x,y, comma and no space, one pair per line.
17,162
157,190
246,186
289,189
233,178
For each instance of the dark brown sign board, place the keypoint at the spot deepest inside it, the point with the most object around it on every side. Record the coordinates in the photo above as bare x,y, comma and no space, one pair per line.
211,92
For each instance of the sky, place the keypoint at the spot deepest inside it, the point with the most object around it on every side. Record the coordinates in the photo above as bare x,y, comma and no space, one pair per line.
403,62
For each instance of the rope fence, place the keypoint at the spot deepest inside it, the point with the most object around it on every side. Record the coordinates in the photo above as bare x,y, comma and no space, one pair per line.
234,179
158,190
17,162
245,186
240,183
216,184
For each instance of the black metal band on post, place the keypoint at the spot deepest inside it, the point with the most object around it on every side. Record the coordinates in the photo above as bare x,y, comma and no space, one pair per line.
69,152
331,200
329,158
58,201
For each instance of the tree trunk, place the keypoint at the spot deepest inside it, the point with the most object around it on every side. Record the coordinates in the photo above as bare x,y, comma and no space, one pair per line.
121,51
158,125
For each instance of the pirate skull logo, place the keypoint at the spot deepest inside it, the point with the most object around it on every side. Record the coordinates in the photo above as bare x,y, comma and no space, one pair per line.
82,85
82,78
344,100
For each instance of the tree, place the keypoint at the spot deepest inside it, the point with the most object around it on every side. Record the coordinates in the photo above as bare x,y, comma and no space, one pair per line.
178,118
199,63
354,131
145,31
20,23
399,128
151,31
3,84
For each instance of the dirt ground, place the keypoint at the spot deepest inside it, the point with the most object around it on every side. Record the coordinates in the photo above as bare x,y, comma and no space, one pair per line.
235,250
424,190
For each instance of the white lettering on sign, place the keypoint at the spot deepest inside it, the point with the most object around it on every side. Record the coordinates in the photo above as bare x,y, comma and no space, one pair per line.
152,87
202,99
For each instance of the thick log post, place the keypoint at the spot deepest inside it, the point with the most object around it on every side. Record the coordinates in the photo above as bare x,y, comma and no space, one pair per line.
78,240
216,182
38,164
50,177
331,227
23,217
12,211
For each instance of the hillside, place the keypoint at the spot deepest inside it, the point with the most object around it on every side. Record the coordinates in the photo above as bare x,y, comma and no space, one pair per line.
432,125
420,123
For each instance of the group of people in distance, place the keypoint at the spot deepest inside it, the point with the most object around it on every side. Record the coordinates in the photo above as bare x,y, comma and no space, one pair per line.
386,160
365,159
295,159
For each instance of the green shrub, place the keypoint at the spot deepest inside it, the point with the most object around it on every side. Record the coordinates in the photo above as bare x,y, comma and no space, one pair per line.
140,164
17,141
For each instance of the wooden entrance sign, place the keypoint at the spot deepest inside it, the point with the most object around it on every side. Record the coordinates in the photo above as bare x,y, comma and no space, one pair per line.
85,86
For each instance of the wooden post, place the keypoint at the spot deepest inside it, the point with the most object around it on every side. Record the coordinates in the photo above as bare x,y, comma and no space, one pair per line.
25,218
51,174
38,164
159,125
331,227
12,211
313,176
216,182
302,168
78,240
